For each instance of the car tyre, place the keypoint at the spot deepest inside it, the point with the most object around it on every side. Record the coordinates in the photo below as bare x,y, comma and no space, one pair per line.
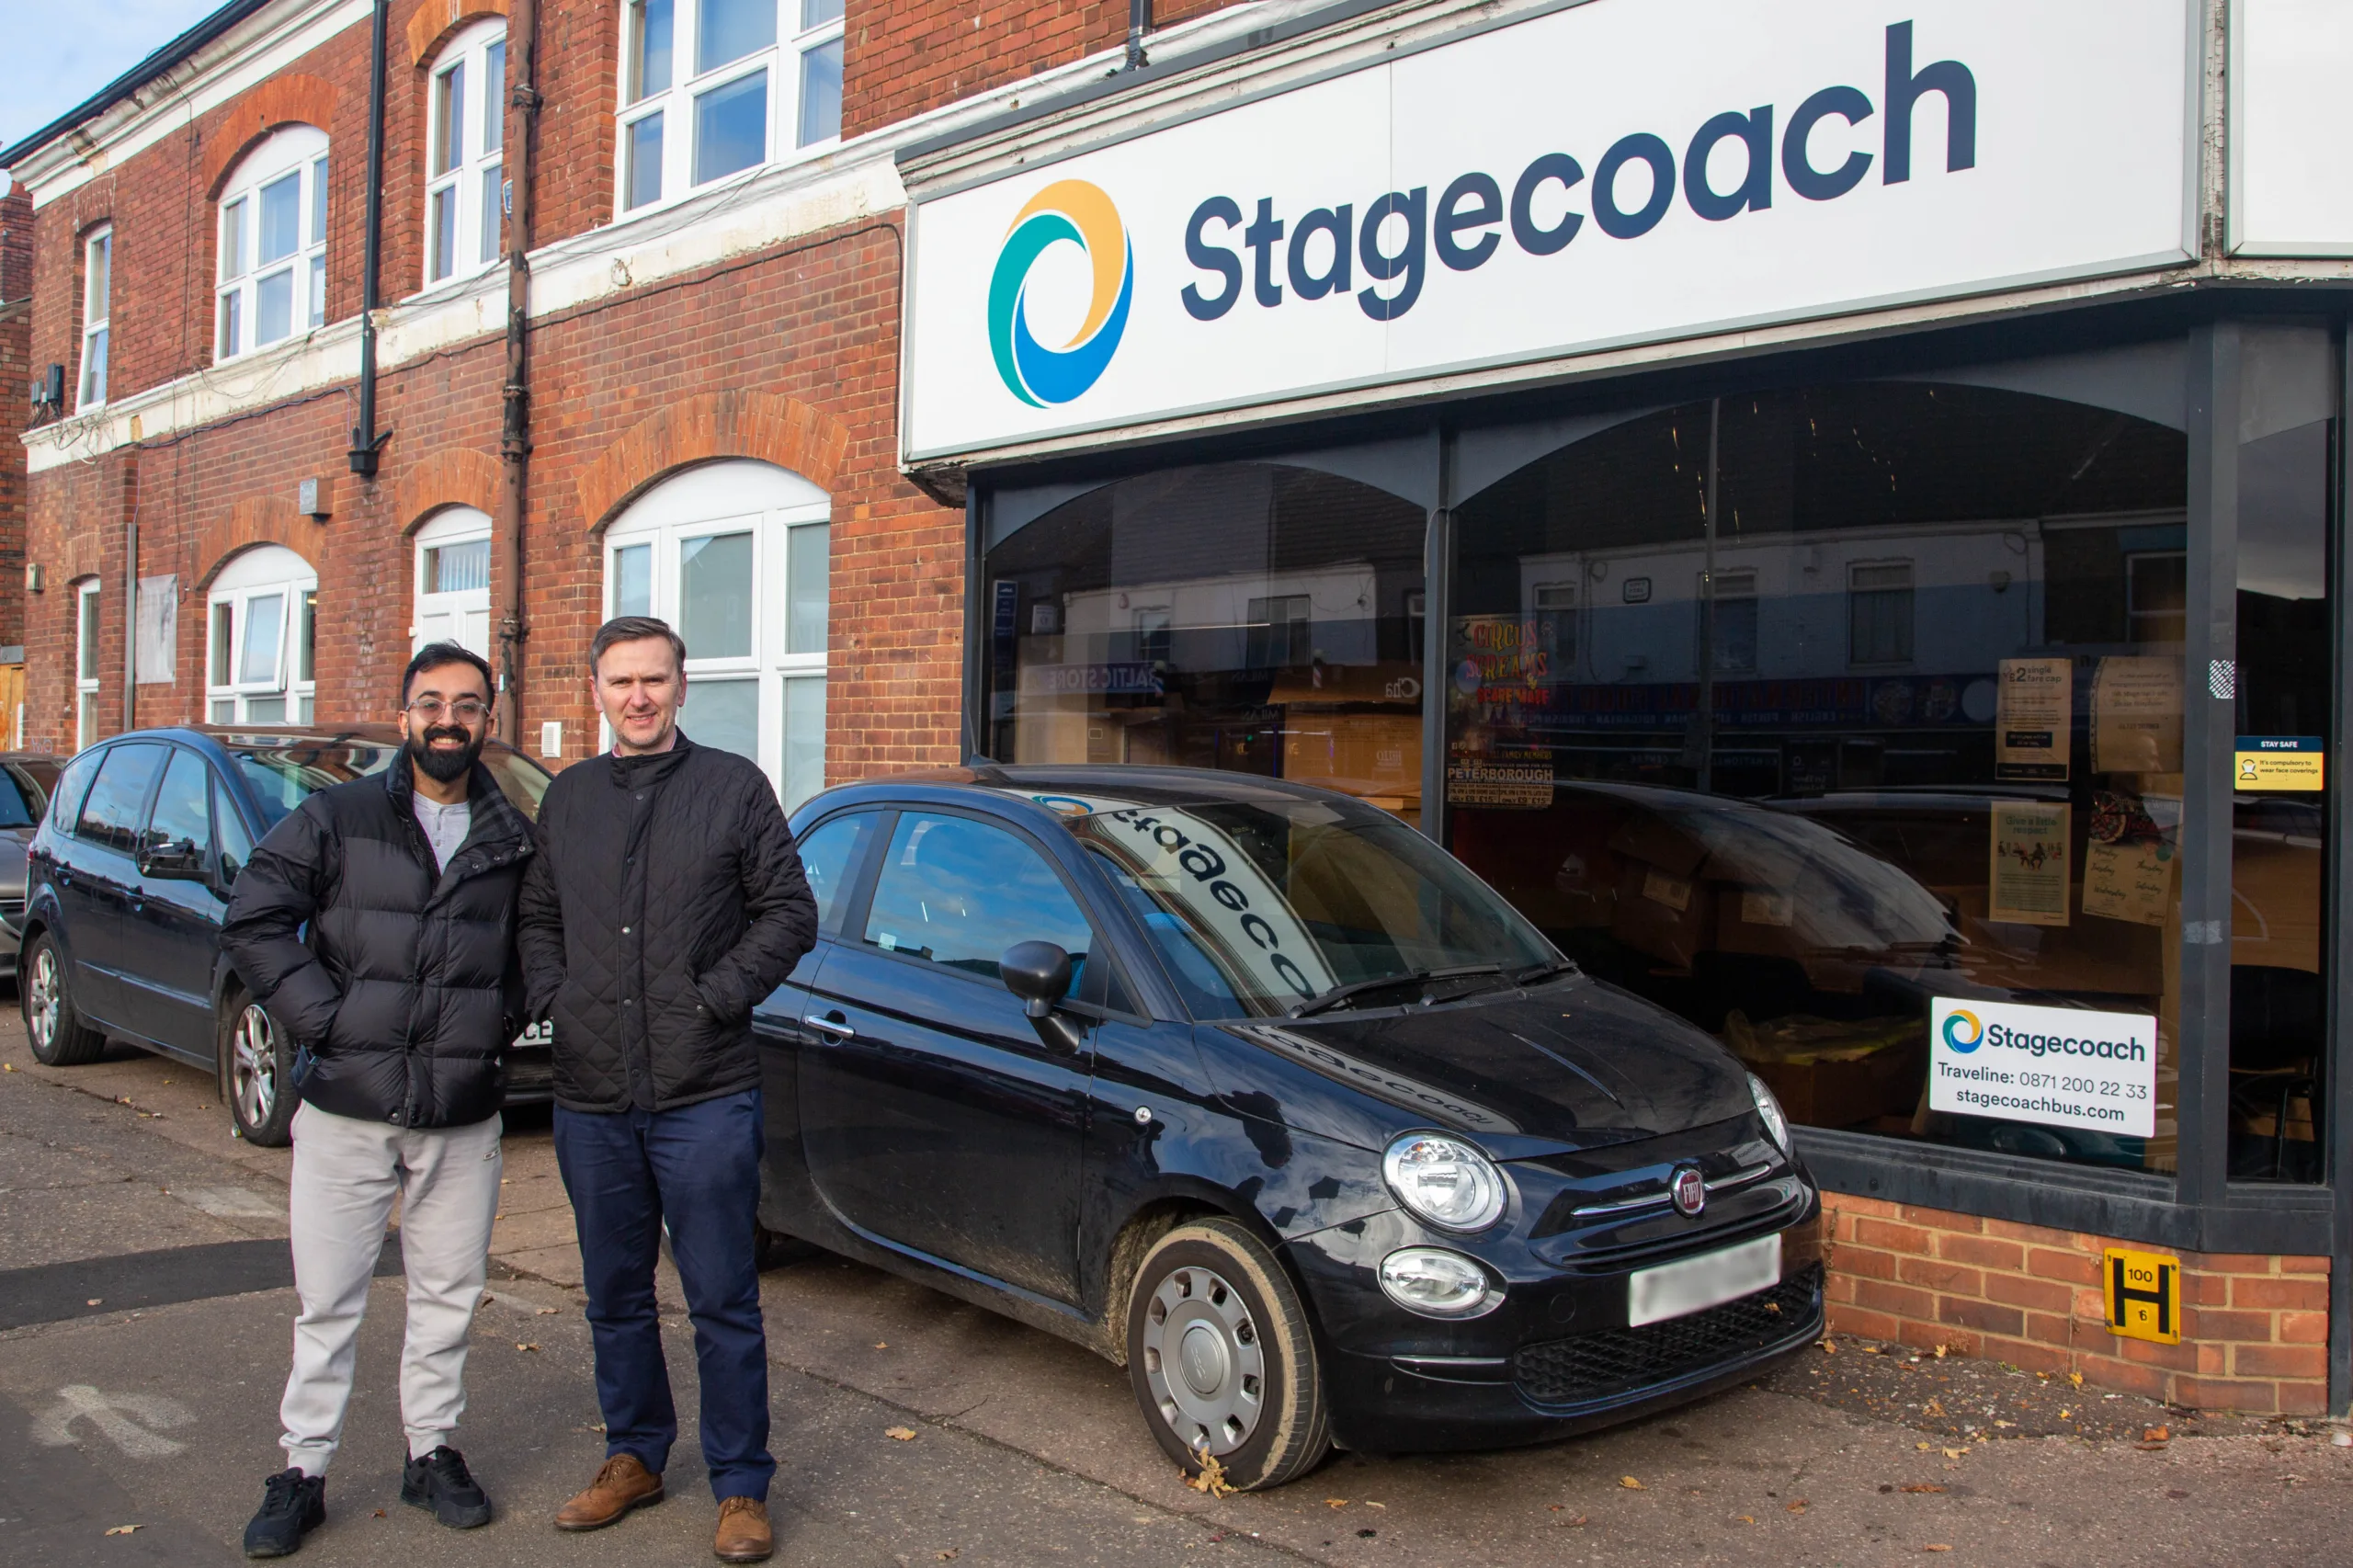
53,1025
774,1249
1222,1357
258,1070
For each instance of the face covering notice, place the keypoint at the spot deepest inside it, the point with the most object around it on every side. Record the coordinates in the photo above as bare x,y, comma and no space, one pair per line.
2056,1067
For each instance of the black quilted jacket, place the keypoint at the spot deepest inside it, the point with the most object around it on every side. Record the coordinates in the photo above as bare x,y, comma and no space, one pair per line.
666,901
406,984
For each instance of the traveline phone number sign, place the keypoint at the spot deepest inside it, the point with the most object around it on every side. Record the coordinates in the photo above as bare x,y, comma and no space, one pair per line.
1608,174
2058,1066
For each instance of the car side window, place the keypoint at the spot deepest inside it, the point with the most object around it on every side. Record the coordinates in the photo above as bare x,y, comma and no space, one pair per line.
237,844
110,816
830,857
65,800
958,893
180,827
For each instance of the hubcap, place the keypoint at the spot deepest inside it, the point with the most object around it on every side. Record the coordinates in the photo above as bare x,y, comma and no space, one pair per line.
41,998
253,1066
1203,1361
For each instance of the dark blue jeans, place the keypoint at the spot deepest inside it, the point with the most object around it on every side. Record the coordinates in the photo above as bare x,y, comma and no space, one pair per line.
699,1166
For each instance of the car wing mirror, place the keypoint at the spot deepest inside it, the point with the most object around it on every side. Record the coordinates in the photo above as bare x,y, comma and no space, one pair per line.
1038,972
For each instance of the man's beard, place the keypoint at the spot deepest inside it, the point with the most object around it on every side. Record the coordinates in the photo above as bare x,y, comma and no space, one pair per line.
444,765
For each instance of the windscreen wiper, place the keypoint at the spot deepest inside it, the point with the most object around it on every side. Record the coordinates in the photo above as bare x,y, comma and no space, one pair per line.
1544,970
1356,988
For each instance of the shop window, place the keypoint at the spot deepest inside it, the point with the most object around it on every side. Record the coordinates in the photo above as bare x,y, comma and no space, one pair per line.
272,255
2155,591
85,663
465,174
1253,617
454,580
262,639
1882,730
97,308
736,557
712,87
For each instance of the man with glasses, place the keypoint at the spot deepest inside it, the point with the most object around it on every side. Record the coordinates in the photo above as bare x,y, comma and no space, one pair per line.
401,998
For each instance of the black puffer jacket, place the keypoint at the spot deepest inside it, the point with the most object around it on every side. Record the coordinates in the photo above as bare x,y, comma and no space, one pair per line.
666,901
407,987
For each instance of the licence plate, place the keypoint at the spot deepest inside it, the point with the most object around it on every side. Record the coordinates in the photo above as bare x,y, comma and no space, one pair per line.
1692,1284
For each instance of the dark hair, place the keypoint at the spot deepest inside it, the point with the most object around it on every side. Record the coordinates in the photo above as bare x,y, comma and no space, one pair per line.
635,628
433,655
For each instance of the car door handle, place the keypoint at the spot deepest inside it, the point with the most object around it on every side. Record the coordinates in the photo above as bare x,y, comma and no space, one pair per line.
831,1024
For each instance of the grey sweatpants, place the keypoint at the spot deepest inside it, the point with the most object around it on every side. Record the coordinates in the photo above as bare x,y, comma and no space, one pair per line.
346,1173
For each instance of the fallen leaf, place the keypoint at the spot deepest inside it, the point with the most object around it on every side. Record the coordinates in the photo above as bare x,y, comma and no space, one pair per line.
9,1067
2065,1414
522,1347
900,1434
548,1312
1922,1447
95,1301
1335,1502
1941,1351
1629,1484
125,1530
1827,1348
1372,1504
598,1427
2077,1379
1574,1521
380,1513
1798,1507
1211,1479
881,1344
2155,1434
1935,1546
1923,1486
1934,1407
950,1555
1745,1518
1953,1453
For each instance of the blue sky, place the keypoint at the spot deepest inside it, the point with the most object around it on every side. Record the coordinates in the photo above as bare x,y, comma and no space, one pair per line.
59,53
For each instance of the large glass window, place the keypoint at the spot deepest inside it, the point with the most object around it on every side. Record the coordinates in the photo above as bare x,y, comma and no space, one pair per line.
261,647
454,580
711,88
97,310
1246,616
272,256
85,663
465,195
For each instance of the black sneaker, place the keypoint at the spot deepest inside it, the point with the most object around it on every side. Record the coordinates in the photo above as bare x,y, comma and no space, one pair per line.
292,1505
441,1481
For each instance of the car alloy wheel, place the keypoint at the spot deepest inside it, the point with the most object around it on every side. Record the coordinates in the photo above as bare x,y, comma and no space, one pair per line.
53,1025
41,1000
257,1064
1222,1358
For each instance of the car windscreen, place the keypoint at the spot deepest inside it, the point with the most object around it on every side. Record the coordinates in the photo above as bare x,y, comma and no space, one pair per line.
282,777
1262,906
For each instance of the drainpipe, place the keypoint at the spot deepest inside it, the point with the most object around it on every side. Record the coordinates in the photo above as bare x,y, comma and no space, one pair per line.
1139,24
515,430
367,441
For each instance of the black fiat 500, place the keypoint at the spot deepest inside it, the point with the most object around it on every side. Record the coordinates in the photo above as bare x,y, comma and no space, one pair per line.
1253,1090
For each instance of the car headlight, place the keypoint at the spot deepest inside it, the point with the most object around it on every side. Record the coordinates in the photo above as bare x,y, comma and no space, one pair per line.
1437,1283
1769,1110
1445,1181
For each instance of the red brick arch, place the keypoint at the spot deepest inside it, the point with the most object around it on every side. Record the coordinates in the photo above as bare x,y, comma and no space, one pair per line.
257,520
782,430
294,98
436,19
454,476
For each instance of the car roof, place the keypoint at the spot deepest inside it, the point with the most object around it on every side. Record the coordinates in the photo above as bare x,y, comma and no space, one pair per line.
226,737
1067,789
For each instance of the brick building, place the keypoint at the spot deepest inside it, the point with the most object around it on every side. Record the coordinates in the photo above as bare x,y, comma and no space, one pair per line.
1852,578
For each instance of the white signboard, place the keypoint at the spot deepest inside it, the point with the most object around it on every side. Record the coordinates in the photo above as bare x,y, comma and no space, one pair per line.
1613,173
2058,1066
2291,117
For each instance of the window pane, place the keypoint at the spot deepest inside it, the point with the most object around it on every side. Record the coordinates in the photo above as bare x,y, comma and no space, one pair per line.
111,814
224,710
100,277
634,580
817,12
266,711
306,634
319,201
724,714
233,240
649,48
715,595
282,217
490,211
233,319
456,568
804,738
806,573
730,29
829,858
274,307
237,844
264,635
181,817
959,892
730,127
821,93
442,243
224,639
493,101
93,367
645,180
87,637
318,290
449,118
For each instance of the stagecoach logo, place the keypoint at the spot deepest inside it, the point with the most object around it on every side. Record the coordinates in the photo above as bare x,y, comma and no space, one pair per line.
1074,211
1963,1031
1691,1191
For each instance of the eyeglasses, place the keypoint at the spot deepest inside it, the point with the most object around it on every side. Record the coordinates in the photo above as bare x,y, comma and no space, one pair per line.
466,711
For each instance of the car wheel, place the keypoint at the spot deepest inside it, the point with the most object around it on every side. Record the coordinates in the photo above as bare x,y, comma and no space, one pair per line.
774,1249
1222,1358
53,1025
257,1064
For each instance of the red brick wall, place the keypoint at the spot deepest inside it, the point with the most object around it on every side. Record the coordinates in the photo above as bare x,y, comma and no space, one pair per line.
15,373
2254,1327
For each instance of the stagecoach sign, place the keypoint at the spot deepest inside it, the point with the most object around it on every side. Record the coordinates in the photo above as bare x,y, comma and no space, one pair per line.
2057,1066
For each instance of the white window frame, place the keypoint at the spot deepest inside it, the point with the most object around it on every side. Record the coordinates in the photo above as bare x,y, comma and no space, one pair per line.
788,63
86,678
475,175
258,575
97,309
736,496
239,274
451,526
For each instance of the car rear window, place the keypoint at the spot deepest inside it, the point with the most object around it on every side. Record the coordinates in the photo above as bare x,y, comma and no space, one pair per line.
19,808
282,777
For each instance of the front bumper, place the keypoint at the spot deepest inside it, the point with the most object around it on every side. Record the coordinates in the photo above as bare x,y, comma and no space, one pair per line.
531,1074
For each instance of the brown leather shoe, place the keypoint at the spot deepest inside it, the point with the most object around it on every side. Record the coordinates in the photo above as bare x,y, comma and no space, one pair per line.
744,1534
624,1483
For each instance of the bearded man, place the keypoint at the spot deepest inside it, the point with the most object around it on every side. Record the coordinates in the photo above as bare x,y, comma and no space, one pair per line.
402,996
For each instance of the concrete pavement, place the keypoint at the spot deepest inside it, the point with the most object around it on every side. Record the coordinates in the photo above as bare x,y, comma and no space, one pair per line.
1026,1451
